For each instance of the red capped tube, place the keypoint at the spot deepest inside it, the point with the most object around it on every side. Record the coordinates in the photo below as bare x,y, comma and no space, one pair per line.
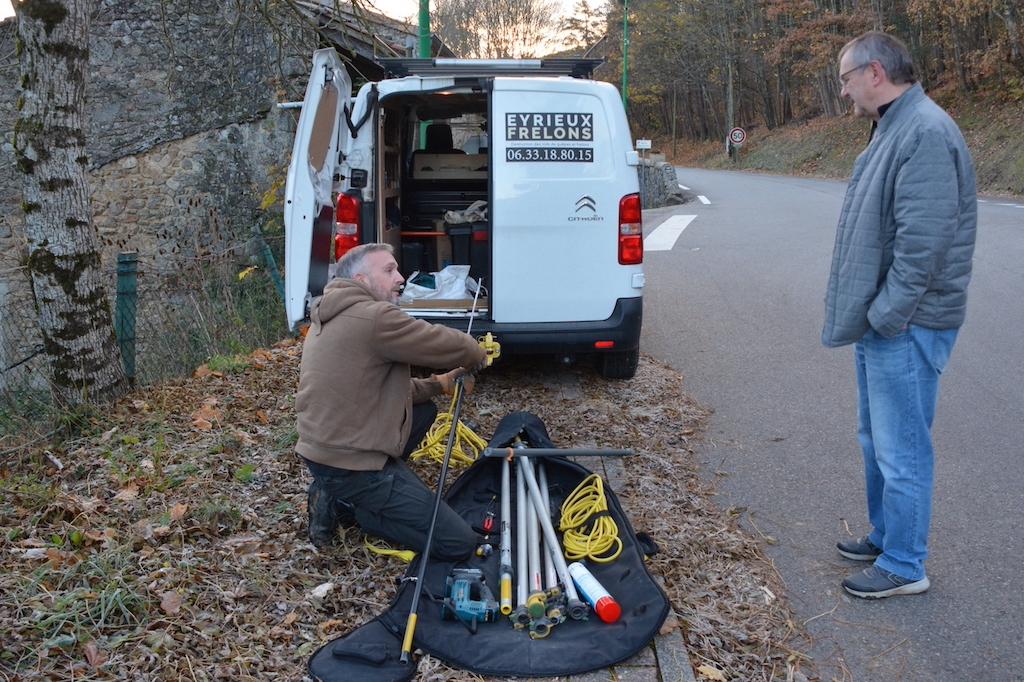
593,592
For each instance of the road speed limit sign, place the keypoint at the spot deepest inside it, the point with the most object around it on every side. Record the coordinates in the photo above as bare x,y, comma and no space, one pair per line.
737,135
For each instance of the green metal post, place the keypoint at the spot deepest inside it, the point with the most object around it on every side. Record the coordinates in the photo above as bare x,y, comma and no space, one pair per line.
271,263
424,54
126,304
625,55
425,29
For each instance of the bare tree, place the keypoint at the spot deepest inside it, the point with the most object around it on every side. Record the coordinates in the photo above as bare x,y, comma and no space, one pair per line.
584,25
456,22
495,28
63,252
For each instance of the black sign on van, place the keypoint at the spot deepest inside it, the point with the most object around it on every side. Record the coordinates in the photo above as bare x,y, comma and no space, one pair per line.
549,127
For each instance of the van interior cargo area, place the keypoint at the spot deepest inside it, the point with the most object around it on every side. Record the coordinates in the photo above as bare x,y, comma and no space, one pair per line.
426,189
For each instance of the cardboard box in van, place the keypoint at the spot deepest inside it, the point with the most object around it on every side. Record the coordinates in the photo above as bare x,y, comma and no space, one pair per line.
522,169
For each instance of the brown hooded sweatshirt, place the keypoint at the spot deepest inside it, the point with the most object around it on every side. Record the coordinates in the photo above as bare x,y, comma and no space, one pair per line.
354,404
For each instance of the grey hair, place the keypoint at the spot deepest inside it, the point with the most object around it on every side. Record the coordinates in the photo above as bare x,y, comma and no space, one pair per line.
887,50
351,264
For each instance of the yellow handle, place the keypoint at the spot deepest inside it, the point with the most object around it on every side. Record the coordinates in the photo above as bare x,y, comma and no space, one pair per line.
491,347
410,630
506,596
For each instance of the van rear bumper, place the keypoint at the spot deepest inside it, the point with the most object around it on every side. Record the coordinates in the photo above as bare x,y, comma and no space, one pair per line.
621,327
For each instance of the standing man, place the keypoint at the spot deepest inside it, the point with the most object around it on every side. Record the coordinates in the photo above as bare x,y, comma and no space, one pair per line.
898,292
360,414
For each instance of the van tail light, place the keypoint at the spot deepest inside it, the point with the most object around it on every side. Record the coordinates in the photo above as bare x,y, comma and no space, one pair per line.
631,231
346,225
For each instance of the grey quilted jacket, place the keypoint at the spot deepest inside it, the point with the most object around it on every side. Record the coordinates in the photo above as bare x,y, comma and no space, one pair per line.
906,232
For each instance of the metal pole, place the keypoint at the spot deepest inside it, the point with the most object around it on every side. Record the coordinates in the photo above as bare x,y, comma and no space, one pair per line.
506,540
550,576
535,600
424,54
675,87
577,609
410,624
425,29
557,452
521,617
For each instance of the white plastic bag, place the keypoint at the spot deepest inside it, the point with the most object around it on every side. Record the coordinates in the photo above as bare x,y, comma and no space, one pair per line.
474,213
450,283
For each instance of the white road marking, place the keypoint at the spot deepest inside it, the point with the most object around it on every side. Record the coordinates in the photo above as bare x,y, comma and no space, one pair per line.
683,187
1010,205
982,201
703,199
664,236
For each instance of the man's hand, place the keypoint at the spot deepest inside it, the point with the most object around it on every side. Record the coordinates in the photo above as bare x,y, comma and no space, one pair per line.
447,380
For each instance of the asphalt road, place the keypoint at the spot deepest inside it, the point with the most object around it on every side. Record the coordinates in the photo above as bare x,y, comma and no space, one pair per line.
736,305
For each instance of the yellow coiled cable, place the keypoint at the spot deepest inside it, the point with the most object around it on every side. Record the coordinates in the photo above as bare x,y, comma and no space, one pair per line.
588,531
467,447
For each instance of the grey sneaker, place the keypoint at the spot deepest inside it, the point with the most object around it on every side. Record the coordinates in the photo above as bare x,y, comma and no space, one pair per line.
860,549
874,583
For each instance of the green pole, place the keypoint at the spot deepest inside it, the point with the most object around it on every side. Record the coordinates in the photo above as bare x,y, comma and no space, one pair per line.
271,263
625,54
425,29
424,54
124,310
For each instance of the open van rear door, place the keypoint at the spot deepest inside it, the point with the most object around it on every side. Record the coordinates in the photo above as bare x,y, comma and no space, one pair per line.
320,137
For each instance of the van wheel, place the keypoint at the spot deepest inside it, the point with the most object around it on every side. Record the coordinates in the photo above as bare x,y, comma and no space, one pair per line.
621,365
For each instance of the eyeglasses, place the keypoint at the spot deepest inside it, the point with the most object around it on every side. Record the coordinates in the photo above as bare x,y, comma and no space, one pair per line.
845,76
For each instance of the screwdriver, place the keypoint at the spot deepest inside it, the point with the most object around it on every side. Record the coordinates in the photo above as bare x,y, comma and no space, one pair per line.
488,523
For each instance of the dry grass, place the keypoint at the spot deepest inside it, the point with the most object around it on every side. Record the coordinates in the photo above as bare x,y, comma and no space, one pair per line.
169,541
827,147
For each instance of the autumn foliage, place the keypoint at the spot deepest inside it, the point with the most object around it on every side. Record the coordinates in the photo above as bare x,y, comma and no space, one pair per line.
706,65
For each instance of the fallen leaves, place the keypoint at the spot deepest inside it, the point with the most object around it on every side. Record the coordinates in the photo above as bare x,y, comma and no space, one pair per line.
189,511
321,590
179,511
170,603
128,493
207,415
711,673
93,655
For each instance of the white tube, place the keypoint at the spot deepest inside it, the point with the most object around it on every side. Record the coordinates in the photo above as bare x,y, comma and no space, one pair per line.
577,609
535,601
522,582
506,540
550,576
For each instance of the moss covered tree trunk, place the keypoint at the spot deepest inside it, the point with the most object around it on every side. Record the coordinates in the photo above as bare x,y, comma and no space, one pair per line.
63,252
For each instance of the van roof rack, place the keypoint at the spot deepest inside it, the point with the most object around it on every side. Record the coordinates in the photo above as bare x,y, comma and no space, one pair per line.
576,67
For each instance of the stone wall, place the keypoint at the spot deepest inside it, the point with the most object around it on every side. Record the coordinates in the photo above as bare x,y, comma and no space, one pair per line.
184,137
658,184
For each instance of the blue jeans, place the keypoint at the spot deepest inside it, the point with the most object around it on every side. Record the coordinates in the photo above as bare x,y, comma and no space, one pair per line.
898,386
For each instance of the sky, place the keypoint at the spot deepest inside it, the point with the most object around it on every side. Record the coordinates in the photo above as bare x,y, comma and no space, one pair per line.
5,9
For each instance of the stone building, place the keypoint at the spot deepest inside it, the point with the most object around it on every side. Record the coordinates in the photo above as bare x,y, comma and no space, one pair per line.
185,139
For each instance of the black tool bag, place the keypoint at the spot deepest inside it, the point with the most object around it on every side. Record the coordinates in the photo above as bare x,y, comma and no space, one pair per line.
372,651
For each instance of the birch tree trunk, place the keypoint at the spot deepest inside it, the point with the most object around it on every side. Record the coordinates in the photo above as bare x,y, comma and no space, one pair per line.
63,253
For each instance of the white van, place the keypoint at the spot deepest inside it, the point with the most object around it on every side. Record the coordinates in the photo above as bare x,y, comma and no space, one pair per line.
541,154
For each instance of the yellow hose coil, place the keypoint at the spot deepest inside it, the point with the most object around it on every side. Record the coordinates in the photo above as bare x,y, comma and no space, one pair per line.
467,447
588,531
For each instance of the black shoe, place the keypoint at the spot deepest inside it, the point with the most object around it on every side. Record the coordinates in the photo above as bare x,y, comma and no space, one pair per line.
874,583
346,513
323,516
859,549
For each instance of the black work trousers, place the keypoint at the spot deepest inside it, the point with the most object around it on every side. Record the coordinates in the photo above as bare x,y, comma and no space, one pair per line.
395,504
